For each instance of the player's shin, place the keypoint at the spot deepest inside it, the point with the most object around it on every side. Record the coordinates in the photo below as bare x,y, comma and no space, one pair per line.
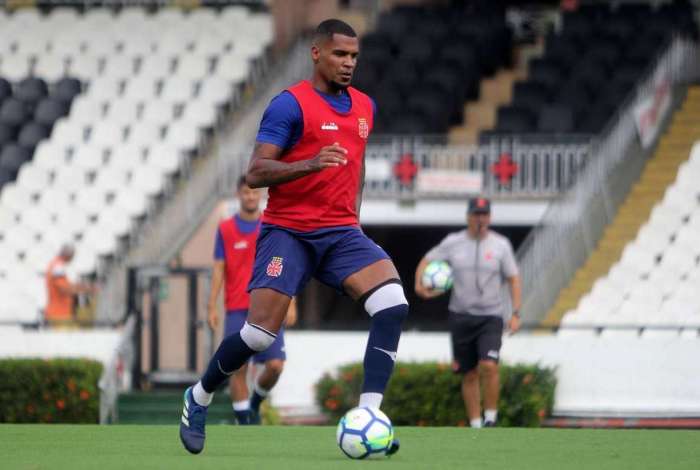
233,352
388,307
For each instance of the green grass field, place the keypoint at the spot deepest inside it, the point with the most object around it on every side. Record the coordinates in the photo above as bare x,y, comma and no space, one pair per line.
57,447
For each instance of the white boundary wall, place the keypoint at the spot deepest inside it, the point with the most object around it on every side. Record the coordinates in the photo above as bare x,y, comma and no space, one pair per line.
598,375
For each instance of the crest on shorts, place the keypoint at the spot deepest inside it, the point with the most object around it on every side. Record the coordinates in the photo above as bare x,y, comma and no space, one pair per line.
363,127
274,268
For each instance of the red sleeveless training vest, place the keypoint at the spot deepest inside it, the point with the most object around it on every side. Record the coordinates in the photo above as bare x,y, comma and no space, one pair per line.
326,198
239,250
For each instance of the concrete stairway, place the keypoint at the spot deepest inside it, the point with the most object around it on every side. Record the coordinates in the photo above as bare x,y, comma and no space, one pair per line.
496,91
659,172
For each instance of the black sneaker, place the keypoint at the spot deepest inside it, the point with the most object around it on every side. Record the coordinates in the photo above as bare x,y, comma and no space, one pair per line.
394,447
489,424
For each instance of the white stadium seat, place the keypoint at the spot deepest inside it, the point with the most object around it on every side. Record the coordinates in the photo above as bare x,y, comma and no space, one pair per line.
234,68
124,111
106,134
193,67
147,180
156,66
105,88
88,157
86,110
183,136
216,91
35,218
177,90
15,67
200,113
50,67
158,111
15,197
8,216
167,159
110,179
122,65
115,219
133,203
33,177
144,133
72,179
126,157
67,133
85,67
141,88
211,44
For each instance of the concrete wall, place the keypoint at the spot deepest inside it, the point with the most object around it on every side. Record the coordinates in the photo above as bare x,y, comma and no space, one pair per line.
605,376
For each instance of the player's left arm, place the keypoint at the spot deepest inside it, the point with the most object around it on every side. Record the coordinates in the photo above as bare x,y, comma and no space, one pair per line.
510,269
360,190
515,295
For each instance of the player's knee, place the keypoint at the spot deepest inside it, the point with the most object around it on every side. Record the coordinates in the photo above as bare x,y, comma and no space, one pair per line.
488,367
256,337
472,375
275,366
387,297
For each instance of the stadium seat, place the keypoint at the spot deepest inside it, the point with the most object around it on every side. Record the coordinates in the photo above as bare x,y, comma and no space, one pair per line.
30,135
49,110
120,107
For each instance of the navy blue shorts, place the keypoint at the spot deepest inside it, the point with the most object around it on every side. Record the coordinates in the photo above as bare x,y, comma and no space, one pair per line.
286,259
233,324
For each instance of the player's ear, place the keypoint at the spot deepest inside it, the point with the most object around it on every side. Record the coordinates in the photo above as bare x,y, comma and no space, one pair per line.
315,53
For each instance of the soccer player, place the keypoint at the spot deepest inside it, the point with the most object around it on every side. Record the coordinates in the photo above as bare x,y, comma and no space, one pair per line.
310,153
234,253
482,262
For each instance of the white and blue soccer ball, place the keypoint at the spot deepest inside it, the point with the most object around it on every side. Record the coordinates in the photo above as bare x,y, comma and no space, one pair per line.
365,433
437,276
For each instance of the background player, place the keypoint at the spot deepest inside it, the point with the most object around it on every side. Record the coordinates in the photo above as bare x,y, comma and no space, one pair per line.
481,260
234,253
310,153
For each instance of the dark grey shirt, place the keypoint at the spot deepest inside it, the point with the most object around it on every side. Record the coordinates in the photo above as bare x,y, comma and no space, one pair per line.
480,268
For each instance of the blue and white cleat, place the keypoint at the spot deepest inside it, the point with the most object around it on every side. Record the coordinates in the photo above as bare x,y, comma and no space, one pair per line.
394,447
192,424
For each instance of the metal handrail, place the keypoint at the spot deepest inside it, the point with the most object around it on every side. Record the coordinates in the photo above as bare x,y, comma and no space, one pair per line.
572,225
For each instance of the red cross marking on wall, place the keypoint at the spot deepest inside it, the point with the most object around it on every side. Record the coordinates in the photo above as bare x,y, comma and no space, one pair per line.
504,169
405,169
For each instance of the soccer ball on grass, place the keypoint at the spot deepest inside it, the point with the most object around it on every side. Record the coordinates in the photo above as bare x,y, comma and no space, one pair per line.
365,433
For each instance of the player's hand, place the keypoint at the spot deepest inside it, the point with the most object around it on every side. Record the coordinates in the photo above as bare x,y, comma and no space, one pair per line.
425,293
213,318
330,156
514,324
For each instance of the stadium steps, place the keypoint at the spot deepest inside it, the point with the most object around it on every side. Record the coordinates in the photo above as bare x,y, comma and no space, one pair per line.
659,172
480,115
165,407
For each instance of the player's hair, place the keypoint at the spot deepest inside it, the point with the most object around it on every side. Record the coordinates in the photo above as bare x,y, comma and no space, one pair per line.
241,182
67,249
327,28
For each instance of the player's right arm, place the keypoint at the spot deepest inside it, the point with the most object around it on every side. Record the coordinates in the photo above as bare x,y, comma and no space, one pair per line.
217,280
266,168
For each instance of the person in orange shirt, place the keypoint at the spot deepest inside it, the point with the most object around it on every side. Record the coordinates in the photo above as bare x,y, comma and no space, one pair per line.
61,291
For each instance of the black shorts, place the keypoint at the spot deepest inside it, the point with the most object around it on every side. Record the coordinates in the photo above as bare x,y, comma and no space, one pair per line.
474,338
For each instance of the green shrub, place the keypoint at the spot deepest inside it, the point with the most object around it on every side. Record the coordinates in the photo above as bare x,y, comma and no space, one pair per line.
429,394
49,391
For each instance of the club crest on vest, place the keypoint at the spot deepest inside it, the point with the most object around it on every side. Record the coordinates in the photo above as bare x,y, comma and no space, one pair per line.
362,127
